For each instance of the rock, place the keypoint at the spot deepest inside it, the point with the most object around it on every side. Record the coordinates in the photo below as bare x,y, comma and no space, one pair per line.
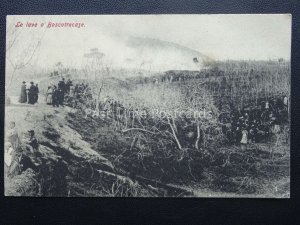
24,184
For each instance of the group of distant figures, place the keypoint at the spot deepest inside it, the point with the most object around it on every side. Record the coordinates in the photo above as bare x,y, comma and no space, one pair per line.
29,94
250,124
78,94
55,94
243,126
253,124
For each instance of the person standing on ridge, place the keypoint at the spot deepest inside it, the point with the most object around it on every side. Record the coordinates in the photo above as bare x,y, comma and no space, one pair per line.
23,96
31,94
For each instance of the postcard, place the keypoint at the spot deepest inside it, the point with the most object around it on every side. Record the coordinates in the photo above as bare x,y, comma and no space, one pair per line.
159,105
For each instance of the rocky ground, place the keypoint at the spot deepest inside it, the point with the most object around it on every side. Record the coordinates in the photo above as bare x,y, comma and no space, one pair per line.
75,161
86,169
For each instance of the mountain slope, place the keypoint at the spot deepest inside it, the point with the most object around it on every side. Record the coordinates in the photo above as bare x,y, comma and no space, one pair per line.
158,55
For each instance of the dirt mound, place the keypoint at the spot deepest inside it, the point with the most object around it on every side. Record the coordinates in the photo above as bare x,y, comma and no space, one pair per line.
64,164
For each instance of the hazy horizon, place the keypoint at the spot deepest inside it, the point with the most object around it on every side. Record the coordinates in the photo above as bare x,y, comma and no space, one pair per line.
220,37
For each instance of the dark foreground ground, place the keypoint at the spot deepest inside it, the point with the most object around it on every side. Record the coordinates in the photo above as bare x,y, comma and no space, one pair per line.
99,161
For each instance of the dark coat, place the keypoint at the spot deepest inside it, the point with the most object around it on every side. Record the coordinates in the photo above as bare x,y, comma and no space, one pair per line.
62,86
36,94
23,96
31,94
55,97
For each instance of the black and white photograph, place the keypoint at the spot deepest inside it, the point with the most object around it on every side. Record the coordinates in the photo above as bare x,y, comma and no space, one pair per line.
160,105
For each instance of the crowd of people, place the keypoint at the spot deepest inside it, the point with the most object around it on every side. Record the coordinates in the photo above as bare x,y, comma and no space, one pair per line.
249,124
29,94
79,94
253,124
55,94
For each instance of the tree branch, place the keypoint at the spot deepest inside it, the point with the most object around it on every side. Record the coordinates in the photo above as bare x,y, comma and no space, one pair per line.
138,129
174,134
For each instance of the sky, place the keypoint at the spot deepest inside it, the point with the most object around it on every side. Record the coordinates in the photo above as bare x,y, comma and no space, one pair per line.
221,37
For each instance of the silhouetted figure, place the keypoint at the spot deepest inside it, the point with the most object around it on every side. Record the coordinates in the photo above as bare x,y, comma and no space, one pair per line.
36,93
23,96
55,97
62,85
61,91
61,96
32,142
31,94
68,86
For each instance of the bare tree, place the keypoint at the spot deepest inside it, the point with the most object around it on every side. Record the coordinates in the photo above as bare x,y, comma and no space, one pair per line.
21,48
95,69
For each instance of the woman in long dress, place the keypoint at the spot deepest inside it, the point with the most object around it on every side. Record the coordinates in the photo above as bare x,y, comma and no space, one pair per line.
23,96
49,95
12,136
8,158
244,139
11,151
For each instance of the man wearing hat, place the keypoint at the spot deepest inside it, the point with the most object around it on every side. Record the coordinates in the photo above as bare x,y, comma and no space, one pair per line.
33,142
62,84
55,97
23,96
36,93
31,94
61,90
